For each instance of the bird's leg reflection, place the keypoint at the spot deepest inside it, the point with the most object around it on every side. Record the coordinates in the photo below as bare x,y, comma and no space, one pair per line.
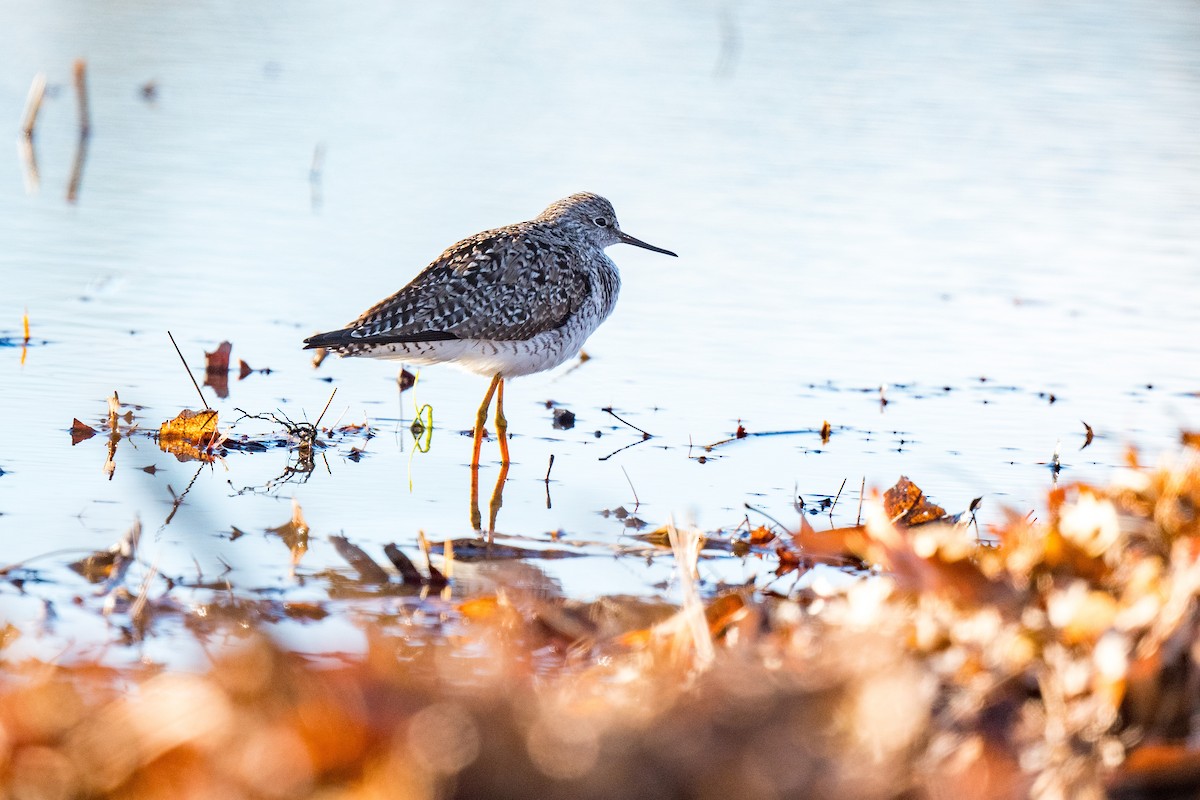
494,506
497,499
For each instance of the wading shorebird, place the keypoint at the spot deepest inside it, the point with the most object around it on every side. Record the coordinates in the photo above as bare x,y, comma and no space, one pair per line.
503,303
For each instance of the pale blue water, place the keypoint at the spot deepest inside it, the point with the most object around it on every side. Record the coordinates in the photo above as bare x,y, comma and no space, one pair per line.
916,195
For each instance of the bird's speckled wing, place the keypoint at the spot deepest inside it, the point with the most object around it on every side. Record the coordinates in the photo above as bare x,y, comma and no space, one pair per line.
510,283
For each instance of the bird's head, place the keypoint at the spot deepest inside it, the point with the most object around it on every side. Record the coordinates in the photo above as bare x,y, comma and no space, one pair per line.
592,218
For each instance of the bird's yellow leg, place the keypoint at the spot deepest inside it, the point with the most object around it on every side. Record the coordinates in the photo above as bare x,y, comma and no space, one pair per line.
481,418
502,425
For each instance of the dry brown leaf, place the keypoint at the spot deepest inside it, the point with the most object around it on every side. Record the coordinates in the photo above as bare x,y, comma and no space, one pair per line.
849,542
906,504
81,432
723,612
294,533
216,369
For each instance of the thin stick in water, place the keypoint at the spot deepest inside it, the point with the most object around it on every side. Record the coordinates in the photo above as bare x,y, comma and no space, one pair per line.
85,131
861,491
835,499
636,501
190,375
85,117
327,402
623,422
33,104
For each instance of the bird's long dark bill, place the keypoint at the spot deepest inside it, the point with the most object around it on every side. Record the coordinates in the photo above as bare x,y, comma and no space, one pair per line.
627,239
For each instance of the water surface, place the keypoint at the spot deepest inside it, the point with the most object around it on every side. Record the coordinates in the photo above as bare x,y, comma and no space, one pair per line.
988,210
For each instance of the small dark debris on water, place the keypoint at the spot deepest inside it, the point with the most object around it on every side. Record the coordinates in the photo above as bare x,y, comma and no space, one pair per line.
1088,435
619,512
409,574
406,380
245,370
368,571
740,433
149,91
563,419
150,470
598,434
479,550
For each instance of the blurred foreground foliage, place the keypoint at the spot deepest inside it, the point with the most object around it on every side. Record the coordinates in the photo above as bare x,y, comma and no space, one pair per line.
1053,659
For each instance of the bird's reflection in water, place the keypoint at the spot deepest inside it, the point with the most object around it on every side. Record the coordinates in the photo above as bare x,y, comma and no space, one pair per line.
493,506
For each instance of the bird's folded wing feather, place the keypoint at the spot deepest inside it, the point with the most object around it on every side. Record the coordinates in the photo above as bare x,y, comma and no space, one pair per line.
504,284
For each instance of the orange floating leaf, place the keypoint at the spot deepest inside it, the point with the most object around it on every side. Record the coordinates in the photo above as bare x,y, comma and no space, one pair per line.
761,536
191,436
724,611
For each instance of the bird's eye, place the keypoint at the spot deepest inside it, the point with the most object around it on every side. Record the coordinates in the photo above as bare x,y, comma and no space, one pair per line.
601,222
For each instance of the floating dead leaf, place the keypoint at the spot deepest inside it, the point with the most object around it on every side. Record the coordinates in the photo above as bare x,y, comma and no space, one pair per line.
740,433
305,611
825,431
244,369
474,549
839,543
216,369
9,634
190,436
906,504
761,535
405,380
103,565
81,432
1088,434
1191,439
723,612
480,608
294,533
197,427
